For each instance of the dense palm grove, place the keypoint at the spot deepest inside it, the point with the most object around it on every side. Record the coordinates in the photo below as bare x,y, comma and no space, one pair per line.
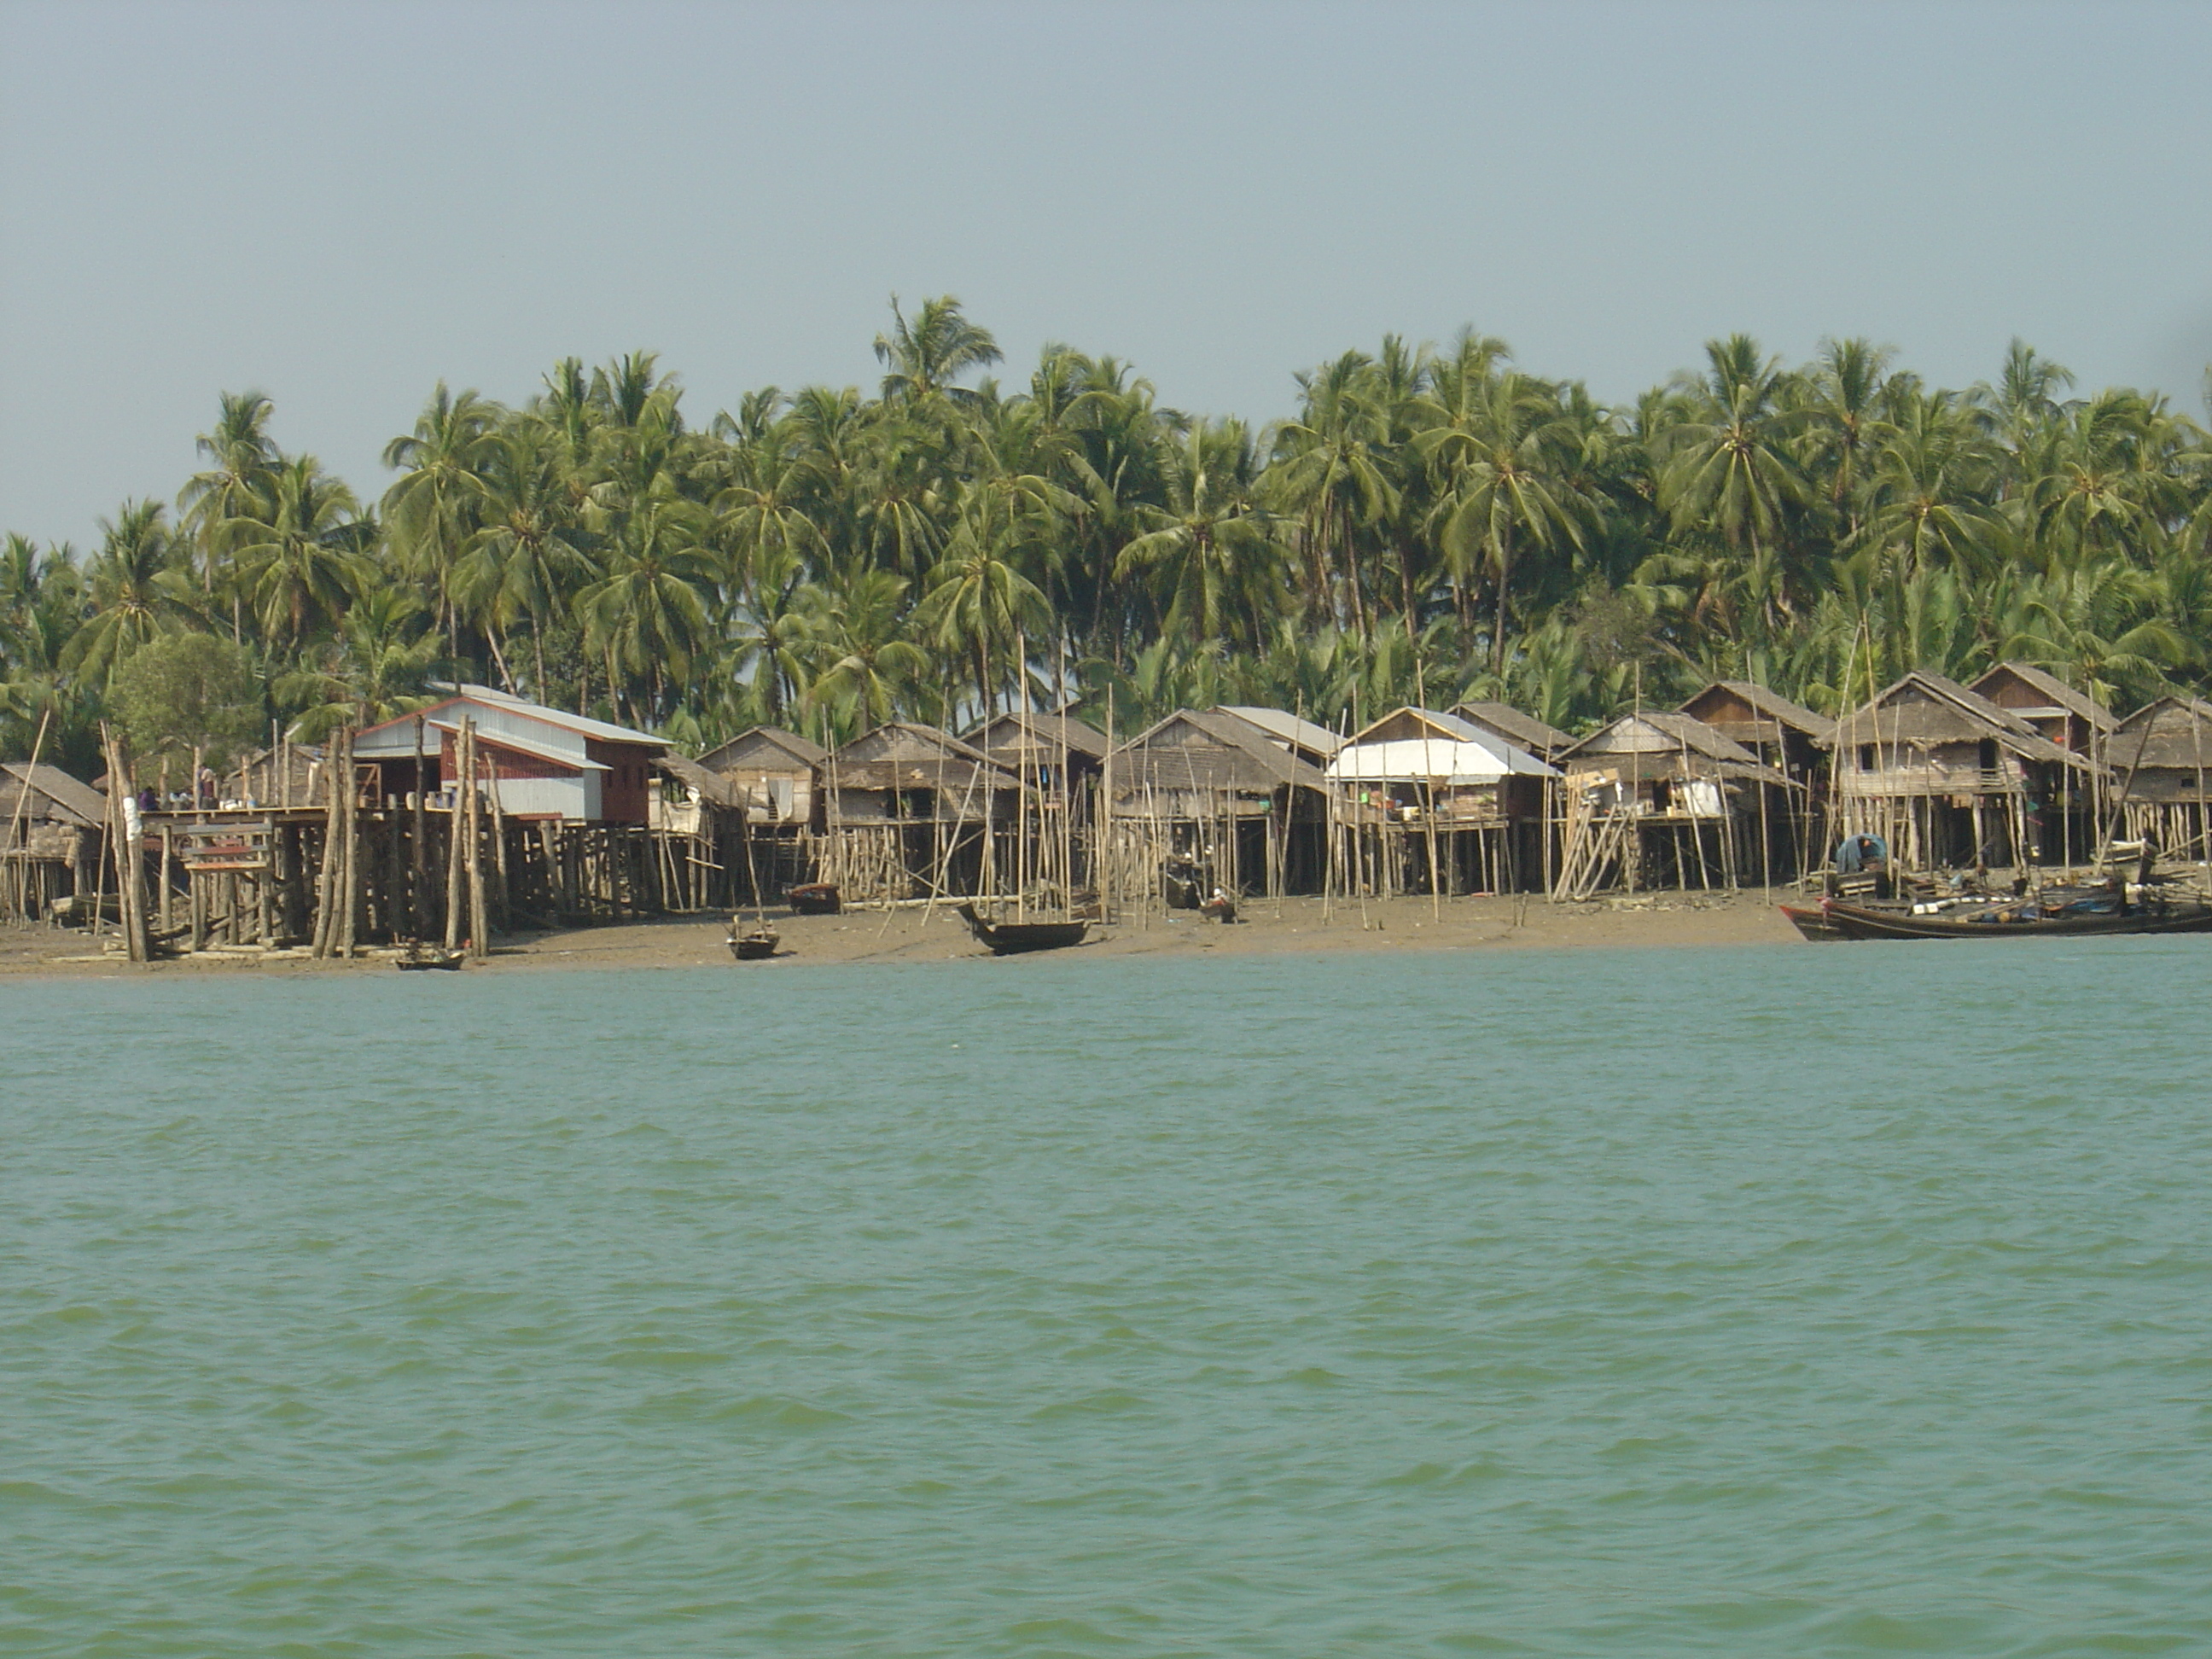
1430,526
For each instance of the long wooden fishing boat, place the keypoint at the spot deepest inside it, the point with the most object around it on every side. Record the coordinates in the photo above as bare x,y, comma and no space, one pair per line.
1007,939
1813,922
2069,913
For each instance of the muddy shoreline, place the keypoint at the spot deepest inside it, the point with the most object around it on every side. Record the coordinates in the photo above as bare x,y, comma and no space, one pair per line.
1297,926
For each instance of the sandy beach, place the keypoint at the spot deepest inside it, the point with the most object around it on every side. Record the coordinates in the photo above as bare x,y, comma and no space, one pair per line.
912,935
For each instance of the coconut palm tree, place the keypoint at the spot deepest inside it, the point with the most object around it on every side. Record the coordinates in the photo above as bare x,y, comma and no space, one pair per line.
529,554
239,480
923,358
303,560
435,507
1503,455
1209,550
1730,471
140,586
1332,475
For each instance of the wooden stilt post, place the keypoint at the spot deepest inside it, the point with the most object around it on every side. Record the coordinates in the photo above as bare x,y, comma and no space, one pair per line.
479,923
456,858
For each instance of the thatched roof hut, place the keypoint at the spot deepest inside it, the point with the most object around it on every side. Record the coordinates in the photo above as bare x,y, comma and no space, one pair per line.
43,794
1910,729
1545,743
1033,743
773,774
1181,767
1654,746
2163,751
52,829
769,748
1764,721
2072,719
907,772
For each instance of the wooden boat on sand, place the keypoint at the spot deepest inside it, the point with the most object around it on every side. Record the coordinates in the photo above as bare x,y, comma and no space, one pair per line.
1006,939
757,945
420,958
814,898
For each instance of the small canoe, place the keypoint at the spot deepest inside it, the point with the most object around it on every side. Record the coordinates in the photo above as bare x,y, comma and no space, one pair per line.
420,958
758,945
1006,939
815,898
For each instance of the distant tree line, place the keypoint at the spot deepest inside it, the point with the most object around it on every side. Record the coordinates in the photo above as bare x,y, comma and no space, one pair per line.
1430,526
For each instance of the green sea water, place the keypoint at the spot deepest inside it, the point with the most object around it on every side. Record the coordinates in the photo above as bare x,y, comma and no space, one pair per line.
1787,1301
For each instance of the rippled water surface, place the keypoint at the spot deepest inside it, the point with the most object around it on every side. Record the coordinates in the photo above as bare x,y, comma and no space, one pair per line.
1785,1301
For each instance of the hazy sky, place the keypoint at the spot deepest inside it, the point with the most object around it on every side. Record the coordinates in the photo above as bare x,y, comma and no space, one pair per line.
339,205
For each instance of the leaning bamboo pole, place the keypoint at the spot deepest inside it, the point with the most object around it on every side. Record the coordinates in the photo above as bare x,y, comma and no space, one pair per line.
17,817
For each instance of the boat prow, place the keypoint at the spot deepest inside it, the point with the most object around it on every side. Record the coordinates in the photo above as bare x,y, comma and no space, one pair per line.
1006,939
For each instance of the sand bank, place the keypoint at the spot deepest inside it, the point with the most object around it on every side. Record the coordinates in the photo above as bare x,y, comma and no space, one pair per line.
1297,925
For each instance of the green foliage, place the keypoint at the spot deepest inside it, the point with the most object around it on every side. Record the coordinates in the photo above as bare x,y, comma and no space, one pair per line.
189,690
1425,524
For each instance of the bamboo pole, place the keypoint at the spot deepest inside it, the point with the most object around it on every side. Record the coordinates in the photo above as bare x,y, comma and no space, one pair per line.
22,806
479,928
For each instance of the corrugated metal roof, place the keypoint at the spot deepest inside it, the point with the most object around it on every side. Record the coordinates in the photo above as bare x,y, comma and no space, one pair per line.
1430,760
583,723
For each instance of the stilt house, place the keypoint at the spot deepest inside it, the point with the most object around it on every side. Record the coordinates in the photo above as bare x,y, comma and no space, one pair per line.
909,811
1206,798
1060,760
2161,759
1793,740
1437,805
546,763
53,838
1665,801
776,773
1950,779
761,806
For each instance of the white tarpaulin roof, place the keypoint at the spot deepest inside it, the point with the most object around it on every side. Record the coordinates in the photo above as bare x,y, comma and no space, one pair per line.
1432,760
